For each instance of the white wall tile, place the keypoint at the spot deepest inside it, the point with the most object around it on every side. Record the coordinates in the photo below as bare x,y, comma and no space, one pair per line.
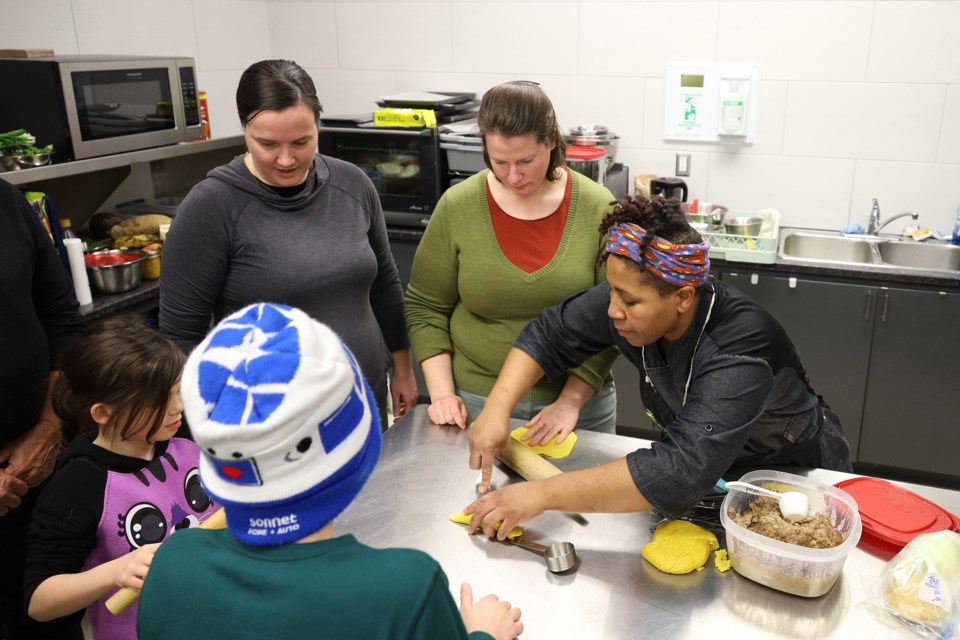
449,81
929,189
21,20
515,37
231,34
305,32
915,42
221,88
812,193
949,150
135,27
616,103
864,120
407,36
798,40
352,91
639,38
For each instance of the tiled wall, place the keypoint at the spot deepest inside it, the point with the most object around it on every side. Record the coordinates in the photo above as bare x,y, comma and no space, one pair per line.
858,99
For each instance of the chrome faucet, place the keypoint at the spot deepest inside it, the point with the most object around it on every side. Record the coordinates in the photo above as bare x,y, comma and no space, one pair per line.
874,225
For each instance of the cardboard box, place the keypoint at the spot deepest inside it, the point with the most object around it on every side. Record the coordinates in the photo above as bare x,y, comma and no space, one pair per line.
392,117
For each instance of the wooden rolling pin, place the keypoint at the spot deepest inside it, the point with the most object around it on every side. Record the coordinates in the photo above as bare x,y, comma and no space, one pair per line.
125,597
525,461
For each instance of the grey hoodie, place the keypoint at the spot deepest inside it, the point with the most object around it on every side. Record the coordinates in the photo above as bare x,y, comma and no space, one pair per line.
234,242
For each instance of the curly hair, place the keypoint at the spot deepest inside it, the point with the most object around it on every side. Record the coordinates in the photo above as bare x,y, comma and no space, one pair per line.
659,216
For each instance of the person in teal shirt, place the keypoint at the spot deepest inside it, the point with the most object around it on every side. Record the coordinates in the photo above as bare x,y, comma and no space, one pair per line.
290,433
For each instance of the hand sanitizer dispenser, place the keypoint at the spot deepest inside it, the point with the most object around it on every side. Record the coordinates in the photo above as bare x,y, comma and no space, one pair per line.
712,101
734,93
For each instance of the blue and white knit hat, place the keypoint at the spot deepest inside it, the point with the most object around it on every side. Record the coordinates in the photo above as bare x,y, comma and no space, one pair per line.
288,425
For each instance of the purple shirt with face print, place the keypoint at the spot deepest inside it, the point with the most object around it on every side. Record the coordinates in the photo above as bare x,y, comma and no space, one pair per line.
141,508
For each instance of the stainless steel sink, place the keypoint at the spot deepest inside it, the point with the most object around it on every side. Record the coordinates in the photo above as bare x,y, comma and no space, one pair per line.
944,257
873,251
829,248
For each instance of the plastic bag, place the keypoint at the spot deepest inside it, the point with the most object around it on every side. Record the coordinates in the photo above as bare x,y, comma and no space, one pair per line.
920,586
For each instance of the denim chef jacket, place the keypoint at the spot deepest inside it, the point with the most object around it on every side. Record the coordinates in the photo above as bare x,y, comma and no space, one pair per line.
748,401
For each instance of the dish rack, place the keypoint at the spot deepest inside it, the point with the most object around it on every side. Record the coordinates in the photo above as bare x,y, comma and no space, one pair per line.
761,248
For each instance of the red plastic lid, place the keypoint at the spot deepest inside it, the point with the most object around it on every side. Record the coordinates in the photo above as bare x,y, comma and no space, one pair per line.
894,514
577,152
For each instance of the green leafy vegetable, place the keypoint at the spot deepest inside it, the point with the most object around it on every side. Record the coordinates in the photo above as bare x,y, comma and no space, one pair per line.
20,142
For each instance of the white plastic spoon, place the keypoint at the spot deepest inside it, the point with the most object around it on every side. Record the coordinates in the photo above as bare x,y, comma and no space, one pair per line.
793,504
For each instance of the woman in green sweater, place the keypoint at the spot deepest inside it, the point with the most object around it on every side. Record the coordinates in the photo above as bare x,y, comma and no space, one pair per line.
501,246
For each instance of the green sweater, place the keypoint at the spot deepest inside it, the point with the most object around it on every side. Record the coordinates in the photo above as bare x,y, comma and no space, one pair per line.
207,584
467,298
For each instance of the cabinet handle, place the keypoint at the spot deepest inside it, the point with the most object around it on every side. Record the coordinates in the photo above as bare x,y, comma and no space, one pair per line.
868,309
886,305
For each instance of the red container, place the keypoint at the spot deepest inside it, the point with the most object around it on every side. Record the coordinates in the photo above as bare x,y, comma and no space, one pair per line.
893,514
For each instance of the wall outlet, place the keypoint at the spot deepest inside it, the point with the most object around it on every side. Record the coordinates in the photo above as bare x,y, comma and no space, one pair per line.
683,164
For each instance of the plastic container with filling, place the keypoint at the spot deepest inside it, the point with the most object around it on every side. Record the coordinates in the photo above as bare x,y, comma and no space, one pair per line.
783,566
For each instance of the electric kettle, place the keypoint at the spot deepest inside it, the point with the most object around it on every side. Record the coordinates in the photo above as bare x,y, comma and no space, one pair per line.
669,188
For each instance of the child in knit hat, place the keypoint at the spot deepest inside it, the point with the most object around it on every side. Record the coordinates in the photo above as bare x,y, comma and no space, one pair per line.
290,433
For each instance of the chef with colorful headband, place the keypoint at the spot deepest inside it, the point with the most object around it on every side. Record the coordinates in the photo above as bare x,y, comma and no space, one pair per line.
719,377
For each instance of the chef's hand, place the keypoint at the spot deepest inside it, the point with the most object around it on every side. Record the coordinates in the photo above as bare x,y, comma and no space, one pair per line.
511,506
490,615
12,489
554,421
448,410
487,436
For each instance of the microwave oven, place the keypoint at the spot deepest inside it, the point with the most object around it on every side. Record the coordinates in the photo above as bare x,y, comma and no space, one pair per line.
94,105
404,164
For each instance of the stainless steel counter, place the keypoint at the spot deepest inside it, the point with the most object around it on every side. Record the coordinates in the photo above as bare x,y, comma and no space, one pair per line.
423,477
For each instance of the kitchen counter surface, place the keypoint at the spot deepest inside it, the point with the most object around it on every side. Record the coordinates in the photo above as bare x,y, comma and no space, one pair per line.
423,477
141,299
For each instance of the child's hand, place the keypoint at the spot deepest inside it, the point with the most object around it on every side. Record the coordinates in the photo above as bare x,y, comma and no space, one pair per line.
132,568
490,615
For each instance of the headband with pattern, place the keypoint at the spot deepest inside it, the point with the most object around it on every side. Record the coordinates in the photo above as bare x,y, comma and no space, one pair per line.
679,264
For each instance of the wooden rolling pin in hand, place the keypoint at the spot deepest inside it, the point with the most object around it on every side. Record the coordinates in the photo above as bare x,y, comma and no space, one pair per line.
125,597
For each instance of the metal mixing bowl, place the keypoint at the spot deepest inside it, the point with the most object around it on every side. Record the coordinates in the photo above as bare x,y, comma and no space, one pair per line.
35,160
743,225
114,278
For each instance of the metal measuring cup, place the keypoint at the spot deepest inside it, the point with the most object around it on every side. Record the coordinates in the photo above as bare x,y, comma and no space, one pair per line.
560,556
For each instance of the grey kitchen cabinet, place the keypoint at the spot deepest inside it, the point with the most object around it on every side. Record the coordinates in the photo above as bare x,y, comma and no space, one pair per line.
632,419
831,326
403,250
908,419
885,358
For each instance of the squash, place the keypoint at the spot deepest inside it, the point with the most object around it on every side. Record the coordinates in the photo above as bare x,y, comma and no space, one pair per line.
139,225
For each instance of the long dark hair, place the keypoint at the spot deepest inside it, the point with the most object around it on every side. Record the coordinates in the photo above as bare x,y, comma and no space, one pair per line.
121,362
275,85
521,108
659,216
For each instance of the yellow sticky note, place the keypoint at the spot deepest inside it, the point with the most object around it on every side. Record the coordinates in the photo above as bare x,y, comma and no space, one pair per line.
551,449
680,547
463,518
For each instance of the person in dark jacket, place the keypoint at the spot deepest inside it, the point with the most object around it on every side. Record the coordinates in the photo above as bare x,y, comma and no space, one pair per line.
38,319
720,378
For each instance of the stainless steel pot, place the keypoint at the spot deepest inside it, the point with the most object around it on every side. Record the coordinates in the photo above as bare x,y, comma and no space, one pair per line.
595,135
589,161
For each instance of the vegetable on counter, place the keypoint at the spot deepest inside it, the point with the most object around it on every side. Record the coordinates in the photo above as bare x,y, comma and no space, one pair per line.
140,225
20,142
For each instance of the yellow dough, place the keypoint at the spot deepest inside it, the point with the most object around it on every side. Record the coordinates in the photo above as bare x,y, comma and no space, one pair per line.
551,449
464,518
722,561
680,547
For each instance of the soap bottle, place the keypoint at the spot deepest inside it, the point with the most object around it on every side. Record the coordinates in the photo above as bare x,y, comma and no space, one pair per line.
956,229
732,106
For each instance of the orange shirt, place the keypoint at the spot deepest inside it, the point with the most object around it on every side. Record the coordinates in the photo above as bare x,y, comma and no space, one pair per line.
530,244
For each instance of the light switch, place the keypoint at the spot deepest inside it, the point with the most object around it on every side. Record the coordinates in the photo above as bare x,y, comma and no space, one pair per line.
683,164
